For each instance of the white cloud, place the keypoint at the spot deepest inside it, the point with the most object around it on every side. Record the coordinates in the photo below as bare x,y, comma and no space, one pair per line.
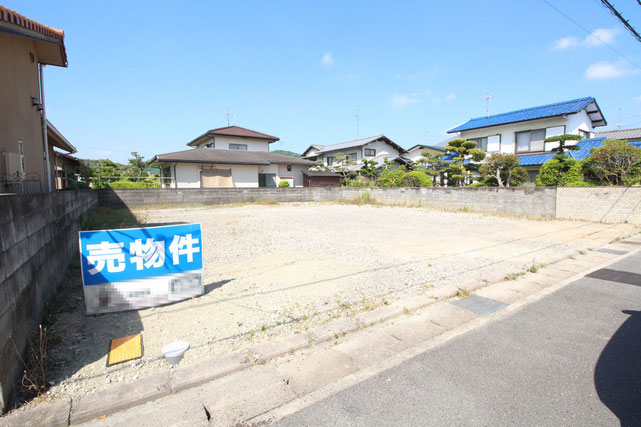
399,101
328,59
638,98
605,35
565,43
609,70
596,38
450,97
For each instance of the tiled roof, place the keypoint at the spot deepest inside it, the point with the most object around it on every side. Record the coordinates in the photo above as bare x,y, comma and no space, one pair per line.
624,134
326,174
580,154
242,132
15,18
423,147
235,131
232,157
540,112
359,143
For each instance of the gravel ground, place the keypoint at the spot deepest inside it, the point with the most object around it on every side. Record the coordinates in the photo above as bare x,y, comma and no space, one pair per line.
274,270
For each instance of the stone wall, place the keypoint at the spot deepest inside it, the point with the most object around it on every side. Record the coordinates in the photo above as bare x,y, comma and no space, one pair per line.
38,237
600,204
529,201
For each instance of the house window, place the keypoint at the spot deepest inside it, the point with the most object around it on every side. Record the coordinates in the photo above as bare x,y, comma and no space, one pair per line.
481,143
289,168
531,175
330,160
210,145
352,156
242,147
370,152
531,140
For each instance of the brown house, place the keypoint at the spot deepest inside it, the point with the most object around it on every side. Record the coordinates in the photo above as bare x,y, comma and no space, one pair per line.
27,156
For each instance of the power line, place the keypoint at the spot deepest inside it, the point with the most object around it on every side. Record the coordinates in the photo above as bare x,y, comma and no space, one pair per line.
624,21
590,33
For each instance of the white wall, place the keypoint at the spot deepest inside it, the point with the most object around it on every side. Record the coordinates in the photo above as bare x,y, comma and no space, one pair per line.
188,174
415,154
380,147
222,142
296,173
572,124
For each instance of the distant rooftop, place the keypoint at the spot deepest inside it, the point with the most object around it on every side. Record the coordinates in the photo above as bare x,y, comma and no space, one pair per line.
236,131
540,112
624,134
359,143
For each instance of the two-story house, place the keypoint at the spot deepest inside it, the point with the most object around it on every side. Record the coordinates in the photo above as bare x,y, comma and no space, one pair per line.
27,158
230,157
523,132
377,148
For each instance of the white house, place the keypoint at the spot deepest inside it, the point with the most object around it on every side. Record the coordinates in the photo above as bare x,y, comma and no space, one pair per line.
377,148
416,152
523,132
230,157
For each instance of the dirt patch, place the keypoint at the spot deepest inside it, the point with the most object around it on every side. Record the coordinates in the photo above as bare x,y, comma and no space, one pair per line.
276,270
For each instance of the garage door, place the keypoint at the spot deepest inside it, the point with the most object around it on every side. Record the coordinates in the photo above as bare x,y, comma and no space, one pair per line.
216,178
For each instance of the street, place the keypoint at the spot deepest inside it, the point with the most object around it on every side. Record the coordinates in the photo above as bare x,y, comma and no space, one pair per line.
572,358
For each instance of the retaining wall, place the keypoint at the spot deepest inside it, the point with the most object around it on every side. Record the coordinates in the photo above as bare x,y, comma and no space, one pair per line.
540,201
38,237
600,204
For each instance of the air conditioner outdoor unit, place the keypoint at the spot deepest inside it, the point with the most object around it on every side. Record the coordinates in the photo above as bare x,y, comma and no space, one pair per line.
13,164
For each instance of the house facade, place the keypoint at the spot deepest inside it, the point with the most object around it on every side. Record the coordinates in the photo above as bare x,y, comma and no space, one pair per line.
523,132
377,148
27,163
416,152
230,157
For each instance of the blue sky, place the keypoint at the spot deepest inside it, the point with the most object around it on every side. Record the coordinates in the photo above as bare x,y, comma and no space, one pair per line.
151,76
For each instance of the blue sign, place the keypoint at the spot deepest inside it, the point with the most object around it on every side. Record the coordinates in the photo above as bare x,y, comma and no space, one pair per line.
140,267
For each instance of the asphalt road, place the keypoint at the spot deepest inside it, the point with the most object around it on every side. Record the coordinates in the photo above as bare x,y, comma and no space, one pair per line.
571,358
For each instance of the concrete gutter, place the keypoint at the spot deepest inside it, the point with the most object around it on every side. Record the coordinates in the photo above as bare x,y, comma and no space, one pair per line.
125,396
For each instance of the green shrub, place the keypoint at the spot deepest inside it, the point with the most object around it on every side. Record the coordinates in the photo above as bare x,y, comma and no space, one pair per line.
283,184
359,181
416,179
123,183
559,171
391,178
478,184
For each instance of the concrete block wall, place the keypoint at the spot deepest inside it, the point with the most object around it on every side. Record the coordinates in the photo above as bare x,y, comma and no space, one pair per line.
530,201
38,237
600,204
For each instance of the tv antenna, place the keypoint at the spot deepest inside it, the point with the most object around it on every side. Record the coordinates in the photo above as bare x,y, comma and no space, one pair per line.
357,116
427,138
228,114
488,98
619,122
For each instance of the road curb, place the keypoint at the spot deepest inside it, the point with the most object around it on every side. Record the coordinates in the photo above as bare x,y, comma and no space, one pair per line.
124,396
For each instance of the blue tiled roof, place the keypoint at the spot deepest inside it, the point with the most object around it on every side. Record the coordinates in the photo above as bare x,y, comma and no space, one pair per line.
580,154
551,110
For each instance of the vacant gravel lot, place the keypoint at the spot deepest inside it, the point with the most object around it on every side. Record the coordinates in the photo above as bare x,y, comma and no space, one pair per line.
276,269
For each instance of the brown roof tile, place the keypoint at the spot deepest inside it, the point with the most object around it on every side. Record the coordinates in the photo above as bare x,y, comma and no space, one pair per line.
233,157
13,17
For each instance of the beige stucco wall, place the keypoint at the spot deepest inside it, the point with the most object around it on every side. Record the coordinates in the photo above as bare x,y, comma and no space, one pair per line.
19,120
296,173
381,147
188,174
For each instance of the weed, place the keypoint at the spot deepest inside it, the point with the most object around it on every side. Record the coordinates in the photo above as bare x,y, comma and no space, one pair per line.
514,276
304,317
615,240
582,252
572,257
34,376
385,301
462,293
251,335
239,324
533,268
406,310
103,218
263,328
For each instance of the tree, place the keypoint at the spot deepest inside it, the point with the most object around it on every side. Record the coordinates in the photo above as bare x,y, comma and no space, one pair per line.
369,168
137,164
561,170
432,163
465,150
615,163
391,178
341,163
561,139
416,179
503,170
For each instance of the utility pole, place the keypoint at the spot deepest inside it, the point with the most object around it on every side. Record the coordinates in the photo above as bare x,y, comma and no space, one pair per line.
357,117
488,98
